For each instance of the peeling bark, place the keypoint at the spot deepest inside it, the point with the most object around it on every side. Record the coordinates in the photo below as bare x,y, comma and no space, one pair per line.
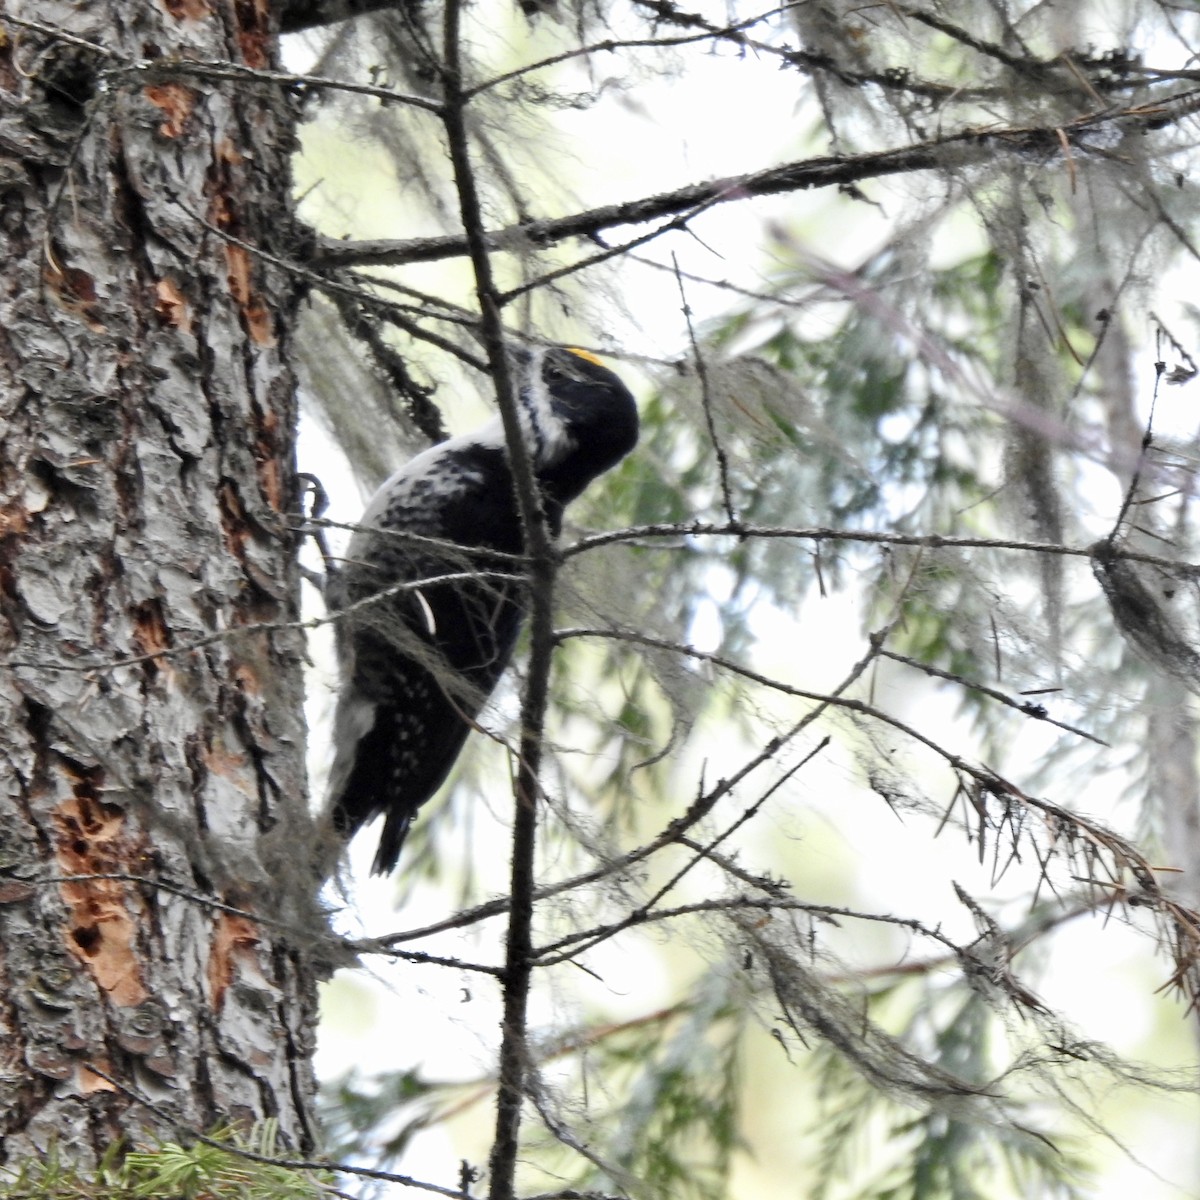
147,417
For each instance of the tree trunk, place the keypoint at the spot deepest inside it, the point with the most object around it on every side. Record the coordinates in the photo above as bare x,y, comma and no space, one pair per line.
147,502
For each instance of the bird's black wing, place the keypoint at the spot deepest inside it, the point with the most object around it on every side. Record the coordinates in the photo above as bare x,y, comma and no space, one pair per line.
420,658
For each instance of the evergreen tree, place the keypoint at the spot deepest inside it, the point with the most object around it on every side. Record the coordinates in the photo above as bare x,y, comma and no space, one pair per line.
854,698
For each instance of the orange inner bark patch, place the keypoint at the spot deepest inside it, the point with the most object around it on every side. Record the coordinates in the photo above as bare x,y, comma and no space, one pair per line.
269,474
101,933
220,184
228,764
88,1081
171,306
175,102
254,34
255,314
14,519
237,259
234,940
75,283
151,636
14,893
222,187
74,289
187,10
228,152
247,680
220,212
270,477
233,520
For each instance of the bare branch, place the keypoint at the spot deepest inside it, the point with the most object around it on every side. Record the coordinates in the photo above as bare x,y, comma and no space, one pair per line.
953,152
518,965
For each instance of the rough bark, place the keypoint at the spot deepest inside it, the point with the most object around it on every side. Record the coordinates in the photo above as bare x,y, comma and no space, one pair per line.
147,488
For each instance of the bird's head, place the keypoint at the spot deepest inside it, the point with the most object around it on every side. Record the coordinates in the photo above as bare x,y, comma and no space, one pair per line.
581,419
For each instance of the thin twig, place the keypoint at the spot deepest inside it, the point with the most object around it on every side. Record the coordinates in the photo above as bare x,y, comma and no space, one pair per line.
581,942
518,968
1136,478
222,635
706,400
290,1164
675,224
674,833
645,535
395,313
172,68
969,147
58,33
1030,709
612,45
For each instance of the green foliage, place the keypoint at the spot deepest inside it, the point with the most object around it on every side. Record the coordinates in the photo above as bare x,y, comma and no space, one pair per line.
962,370
224,1166
872,1148
677,1129
376,1118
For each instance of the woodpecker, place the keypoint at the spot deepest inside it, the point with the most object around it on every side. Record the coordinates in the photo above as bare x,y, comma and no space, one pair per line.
432,590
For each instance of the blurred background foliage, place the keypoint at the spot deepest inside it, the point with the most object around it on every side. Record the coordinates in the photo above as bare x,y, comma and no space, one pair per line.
876,967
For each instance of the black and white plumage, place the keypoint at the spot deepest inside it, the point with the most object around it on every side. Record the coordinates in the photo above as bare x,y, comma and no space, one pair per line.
418,664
